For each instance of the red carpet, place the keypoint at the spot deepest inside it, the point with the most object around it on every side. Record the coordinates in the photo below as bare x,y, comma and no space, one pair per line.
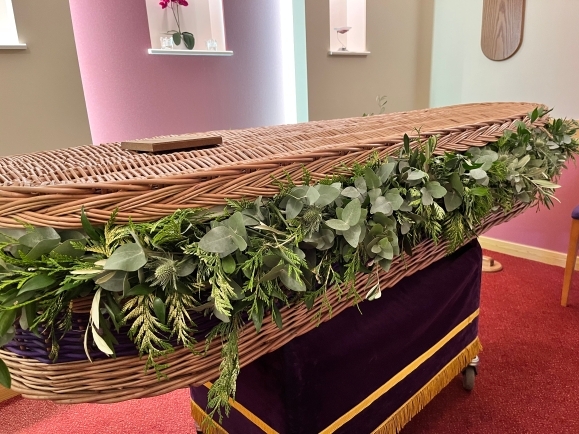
528,380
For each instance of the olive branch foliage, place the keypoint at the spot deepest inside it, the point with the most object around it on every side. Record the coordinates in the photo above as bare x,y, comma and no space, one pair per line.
246,262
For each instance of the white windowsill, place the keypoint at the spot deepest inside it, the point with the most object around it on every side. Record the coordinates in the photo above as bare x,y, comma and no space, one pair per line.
189,52
348,53
13,47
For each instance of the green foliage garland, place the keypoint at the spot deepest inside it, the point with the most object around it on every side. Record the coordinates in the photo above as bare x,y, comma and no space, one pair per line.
252,258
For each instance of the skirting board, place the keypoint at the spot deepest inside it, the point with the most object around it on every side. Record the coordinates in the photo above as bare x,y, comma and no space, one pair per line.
527,252
6,394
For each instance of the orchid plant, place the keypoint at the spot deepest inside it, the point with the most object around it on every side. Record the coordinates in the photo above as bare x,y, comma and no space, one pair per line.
187,37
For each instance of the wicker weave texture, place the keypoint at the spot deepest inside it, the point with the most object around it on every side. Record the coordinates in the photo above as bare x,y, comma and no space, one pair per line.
49,188
108,381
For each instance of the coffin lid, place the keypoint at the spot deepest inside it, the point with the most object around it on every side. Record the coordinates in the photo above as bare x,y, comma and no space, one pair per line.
49,188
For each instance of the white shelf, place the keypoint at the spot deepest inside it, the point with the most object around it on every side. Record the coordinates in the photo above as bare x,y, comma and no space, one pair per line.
13,47
352,14
189,52
348,53
202,18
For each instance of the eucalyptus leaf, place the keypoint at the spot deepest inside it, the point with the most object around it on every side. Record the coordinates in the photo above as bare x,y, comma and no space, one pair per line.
351,192
385,264
381,205
386,251
360,184
118,282
452,201
274,273
128,257
351,213
477,174
374,194
414,175
291,282
186,267
436,190
312,195
393,196
352,235
41,242
72,235
372,180
219,240
293,208
427,199
338,225
305,192
524,197
328,194
236,224
385,171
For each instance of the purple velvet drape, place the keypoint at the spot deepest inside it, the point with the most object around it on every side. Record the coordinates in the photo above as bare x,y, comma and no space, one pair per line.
316,378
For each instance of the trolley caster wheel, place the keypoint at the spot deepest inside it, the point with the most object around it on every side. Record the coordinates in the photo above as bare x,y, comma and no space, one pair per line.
468,377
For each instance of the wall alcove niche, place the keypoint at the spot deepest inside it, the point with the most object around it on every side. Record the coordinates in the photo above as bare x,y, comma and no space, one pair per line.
203,18
8,33
346,14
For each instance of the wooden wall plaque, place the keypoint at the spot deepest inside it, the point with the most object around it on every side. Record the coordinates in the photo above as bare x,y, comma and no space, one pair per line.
502,28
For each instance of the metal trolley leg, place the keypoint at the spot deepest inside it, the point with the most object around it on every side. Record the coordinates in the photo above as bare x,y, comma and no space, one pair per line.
469,373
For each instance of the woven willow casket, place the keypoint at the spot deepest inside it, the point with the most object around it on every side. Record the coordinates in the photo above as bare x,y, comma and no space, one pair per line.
50,188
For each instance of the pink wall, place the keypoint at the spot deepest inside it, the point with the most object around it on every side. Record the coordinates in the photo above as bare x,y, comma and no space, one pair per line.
132,94
547,229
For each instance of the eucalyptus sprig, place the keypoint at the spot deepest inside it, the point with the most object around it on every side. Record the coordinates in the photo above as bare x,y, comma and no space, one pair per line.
244,264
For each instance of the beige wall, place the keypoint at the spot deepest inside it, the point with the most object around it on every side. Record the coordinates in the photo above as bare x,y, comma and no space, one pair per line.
399,37
41,99
544,70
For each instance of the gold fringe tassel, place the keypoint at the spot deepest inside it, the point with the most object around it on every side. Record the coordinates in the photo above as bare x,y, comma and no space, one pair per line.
410,408
199,416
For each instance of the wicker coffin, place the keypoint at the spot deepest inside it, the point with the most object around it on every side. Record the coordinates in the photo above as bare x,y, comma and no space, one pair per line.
50,188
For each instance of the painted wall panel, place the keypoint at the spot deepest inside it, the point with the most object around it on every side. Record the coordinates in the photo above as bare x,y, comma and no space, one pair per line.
132,94
41,97
544,70
399,38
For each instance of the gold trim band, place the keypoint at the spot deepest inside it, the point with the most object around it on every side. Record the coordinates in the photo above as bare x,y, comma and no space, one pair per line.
397,420
399,376
412,407
245,412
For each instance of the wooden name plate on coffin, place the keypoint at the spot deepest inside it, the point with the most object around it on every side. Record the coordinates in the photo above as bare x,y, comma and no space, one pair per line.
172,143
